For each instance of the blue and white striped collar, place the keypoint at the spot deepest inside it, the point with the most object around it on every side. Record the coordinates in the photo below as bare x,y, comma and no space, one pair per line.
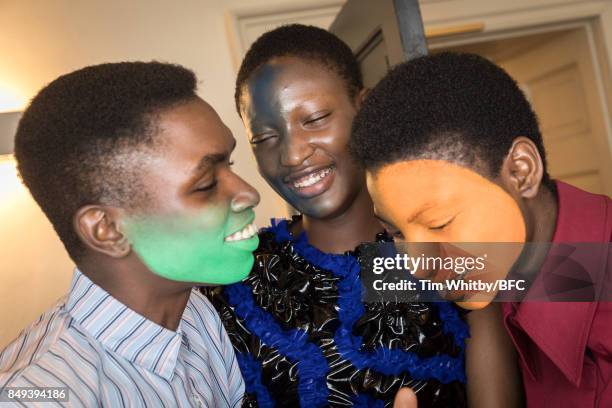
122,330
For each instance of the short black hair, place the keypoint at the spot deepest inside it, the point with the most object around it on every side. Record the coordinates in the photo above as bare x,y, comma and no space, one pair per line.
75,142
302,41
450,106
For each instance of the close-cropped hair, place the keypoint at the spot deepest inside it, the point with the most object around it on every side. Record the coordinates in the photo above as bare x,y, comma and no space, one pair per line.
301,41
456,107
76,141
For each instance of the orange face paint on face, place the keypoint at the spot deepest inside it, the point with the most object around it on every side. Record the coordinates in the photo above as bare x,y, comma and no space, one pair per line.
436,201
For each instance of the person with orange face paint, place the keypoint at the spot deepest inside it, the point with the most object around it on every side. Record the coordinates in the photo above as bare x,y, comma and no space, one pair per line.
302,334
453,153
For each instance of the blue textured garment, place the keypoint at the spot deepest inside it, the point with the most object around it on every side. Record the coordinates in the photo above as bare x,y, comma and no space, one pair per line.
281,332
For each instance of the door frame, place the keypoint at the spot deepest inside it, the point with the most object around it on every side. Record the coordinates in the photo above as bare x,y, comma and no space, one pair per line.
596,51
266,12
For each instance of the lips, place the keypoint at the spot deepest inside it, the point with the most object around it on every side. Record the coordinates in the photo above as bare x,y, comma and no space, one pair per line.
310,182
311,178
247,232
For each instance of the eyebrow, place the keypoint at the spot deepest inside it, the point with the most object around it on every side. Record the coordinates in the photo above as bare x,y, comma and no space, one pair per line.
212,159
427,206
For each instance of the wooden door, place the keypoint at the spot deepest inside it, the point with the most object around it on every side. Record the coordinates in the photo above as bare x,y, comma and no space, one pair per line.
556,72
559,79
381,33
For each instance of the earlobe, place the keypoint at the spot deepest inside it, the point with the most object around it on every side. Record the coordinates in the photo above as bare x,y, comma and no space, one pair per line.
523,168
98,228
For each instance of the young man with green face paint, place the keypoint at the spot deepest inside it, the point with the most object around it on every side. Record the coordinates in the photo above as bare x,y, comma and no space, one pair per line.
132,168
209,255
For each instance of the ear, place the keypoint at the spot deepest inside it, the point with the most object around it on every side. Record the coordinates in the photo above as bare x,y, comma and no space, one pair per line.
99,228
522,169
361,97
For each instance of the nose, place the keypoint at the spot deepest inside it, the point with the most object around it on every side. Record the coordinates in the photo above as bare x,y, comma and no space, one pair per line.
245,196
295,149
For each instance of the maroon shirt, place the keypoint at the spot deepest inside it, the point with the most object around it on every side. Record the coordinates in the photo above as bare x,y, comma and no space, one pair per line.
565,348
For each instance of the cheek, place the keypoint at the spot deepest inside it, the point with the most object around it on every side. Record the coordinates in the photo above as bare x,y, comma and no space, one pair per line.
352,176
267,164
337,143
213,220
506,225
492,220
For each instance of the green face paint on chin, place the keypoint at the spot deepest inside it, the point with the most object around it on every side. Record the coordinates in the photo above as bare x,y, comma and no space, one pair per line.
192,248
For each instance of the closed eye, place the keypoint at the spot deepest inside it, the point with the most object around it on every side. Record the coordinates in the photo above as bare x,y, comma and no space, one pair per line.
442,226
262,137
207,187
317,119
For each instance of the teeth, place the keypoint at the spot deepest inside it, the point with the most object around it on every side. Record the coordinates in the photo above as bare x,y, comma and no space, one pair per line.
245,233
311,179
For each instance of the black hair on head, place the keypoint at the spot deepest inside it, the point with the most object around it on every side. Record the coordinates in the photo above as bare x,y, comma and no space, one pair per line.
302,41
460,108
78,141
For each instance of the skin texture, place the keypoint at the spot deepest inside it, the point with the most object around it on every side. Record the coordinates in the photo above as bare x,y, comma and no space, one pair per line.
186,175
405,398
205,257
298,117
491,362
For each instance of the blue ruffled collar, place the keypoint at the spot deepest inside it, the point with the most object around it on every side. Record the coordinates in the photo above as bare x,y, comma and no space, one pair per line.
312,366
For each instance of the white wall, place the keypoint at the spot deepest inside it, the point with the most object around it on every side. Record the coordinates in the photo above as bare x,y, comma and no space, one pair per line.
41,40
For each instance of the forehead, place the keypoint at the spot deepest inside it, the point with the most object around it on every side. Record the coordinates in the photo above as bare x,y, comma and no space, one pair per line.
418,184
285,77
416,175
193,129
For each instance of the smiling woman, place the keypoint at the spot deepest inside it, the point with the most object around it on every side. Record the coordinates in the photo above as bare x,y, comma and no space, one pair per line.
298,117
303,335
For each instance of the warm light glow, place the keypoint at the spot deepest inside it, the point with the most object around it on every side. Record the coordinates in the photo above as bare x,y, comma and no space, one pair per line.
34,267
11,188
11,100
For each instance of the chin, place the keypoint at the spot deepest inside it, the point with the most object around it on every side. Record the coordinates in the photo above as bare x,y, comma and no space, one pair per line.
473,305
326,208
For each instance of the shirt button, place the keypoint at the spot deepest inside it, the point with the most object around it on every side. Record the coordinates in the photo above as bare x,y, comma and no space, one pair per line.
197,400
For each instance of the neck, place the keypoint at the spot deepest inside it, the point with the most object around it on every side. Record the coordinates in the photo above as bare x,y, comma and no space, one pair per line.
343,232
541,220
158,299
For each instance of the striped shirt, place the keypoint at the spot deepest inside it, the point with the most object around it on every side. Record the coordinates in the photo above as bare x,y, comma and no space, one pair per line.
109,355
